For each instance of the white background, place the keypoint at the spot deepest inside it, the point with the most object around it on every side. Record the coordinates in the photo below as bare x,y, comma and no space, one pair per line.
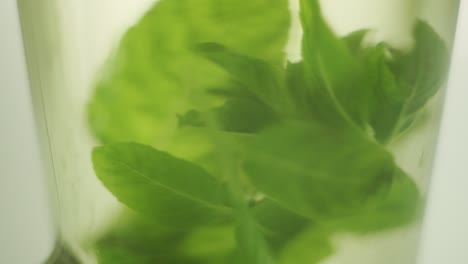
26,233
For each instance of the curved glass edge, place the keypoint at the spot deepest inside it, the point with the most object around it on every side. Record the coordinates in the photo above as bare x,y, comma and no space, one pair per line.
61,255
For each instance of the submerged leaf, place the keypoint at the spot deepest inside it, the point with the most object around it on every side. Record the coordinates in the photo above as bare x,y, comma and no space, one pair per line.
355,39
137,240
245,115
258,77
319,171
424,69
401,206
337,77
154,75
171,191
278,225
309,247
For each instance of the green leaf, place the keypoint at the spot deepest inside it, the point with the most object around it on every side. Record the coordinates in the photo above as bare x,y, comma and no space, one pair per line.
388,96
339,79
313,155
252,247
423,70
209,243
319,171
301,91
133,239
246,115
355,39
154,74
260,79
309,247
405,82
171,191
278,225
375,87
401,206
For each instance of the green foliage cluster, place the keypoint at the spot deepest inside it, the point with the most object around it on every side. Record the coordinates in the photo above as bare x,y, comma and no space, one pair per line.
226,154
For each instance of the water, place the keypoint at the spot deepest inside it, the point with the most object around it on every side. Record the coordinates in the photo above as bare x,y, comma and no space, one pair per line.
68,42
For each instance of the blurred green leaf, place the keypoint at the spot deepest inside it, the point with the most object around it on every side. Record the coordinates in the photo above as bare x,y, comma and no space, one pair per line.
258,77
339,82
310,246
171,191
388,96
424,68
278,225
137,240
314,157
355,39
402,205
319,171
214,243
252,247
154,74
246,115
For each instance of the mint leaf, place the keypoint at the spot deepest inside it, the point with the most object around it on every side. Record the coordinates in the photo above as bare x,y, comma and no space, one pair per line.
246,115
354,40
171,191
260,79
313,163
388,96
303,94
311,246
338,79
376,87
134,239
122,252
214,244
319,171
252,246
401,206
278,225
154,75
406,81
423,70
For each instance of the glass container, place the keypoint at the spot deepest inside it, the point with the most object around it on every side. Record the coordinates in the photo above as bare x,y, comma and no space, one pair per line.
230,131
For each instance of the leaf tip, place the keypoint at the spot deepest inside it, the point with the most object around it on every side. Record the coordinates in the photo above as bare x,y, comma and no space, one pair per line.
97,154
